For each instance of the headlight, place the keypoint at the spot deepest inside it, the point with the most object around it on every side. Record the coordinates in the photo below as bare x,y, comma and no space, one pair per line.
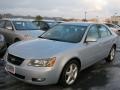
42,62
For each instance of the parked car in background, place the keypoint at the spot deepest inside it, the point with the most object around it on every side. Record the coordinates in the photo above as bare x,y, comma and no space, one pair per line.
113,27
61,53
118,25
46,24
17,29
3,46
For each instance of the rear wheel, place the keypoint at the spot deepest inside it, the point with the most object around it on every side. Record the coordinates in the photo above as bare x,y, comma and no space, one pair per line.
70,73
111,55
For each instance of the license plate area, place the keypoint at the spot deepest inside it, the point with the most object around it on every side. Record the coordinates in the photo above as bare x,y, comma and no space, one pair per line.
10,68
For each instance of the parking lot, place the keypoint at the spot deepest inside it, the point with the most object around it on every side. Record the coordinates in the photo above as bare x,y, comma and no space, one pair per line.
100,76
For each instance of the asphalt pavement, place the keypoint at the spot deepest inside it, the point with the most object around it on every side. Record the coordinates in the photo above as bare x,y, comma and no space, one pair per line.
101,76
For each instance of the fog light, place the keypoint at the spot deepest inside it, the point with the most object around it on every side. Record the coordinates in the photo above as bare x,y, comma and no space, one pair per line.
38,79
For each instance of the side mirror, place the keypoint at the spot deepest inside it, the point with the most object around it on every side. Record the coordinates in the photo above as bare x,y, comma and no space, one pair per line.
9,28
91,39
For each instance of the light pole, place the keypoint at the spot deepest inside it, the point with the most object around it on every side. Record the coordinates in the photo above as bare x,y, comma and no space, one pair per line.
97,19
115,18
85,15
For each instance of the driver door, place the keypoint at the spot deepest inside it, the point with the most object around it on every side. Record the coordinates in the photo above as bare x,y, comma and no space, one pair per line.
91,50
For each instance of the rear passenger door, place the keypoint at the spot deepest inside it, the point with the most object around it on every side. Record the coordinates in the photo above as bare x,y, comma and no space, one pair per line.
105,40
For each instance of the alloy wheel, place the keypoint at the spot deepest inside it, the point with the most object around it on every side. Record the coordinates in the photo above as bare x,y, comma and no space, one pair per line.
71,74
112,54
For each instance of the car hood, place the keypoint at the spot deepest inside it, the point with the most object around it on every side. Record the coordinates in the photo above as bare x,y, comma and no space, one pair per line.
38,48
33,33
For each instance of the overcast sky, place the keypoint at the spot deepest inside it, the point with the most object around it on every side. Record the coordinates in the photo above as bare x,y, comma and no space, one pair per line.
62,8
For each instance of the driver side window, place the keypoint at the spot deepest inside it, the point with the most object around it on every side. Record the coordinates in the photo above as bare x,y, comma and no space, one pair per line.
93,32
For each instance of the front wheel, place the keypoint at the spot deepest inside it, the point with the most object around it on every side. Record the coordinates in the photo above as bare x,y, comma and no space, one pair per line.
111,55
70,73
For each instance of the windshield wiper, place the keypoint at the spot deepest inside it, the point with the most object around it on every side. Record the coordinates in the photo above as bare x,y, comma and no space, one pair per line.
40,37
55,39
44,37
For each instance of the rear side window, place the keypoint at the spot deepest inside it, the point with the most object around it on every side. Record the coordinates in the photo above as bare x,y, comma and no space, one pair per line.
2,24
104,31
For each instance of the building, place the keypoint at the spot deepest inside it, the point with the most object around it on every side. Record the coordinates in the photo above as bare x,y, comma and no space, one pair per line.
115,19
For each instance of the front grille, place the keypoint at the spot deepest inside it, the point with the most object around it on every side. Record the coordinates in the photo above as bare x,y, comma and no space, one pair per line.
15,60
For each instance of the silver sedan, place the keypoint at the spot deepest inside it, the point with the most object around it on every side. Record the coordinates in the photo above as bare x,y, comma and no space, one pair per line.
61,53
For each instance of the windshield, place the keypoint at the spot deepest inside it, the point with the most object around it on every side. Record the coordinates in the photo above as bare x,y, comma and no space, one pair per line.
25,25
65,33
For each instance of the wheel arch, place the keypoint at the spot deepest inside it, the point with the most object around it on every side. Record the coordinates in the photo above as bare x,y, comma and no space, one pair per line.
77,59
73,58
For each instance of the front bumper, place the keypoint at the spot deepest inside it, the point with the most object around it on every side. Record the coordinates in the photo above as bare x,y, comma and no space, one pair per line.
35,75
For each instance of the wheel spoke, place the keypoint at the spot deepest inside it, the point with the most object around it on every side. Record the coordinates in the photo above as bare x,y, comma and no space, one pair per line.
71,68
68,73
75,70
112,54
68,79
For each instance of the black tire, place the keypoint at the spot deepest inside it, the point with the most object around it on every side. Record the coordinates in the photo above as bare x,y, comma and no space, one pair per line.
111,55
63,77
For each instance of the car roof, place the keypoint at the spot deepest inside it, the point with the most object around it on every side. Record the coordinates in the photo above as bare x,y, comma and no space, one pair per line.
80,23
16,19
52,21
49,20
109,23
